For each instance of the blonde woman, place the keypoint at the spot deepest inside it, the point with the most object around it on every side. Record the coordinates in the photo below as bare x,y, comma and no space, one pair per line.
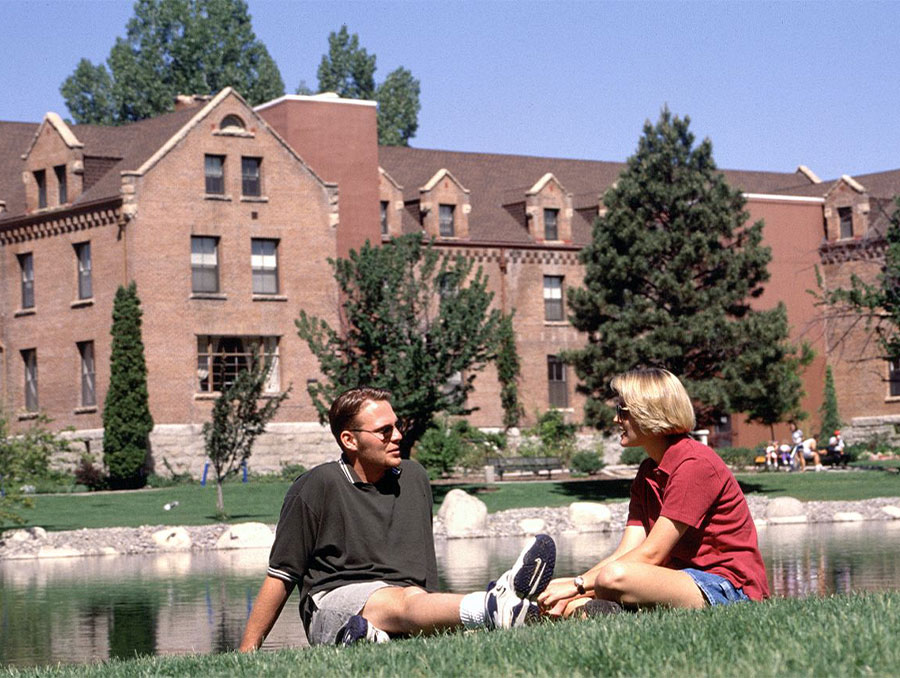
689,540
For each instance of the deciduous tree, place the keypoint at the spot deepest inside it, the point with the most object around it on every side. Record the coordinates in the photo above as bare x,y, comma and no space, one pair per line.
670,274
417,323
173,47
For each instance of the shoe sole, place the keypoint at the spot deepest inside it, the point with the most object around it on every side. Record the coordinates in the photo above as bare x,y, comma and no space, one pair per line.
353,631
534,568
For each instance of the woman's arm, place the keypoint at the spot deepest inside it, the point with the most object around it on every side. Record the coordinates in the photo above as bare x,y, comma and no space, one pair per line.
560,592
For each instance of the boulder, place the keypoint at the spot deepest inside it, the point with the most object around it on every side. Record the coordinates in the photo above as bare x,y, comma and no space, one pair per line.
589,516
531,526
785,510
61,552
246,536
463,515
26,534
892,511
847,517
172,539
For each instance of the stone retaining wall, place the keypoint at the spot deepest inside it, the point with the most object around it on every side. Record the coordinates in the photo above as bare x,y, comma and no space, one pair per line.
862,429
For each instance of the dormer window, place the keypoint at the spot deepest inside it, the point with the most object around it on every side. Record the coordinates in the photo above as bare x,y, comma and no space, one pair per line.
232,123
40,178
551,224
60,171
845,215
447,225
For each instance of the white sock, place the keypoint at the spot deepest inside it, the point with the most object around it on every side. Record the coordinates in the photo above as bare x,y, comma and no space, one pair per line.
471,610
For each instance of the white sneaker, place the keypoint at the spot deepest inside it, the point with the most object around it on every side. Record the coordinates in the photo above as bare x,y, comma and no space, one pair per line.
506,602
359,629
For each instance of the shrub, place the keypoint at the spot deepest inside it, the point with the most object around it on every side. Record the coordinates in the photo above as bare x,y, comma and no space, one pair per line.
737,457
92,477
290,471
557,438
632,456
438,450
587,461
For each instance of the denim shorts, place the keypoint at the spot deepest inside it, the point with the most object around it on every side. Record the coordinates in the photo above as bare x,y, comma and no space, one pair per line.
717,590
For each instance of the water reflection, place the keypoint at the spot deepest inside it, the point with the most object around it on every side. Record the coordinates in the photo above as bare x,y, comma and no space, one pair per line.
75,610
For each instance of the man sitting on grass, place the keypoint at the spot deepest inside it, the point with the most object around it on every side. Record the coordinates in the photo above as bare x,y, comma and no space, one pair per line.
355,535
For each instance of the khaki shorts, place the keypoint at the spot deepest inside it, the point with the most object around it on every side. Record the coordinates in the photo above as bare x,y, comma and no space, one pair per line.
333,608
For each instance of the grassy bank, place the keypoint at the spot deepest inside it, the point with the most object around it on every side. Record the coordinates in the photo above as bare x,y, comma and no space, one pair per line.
261,501
839,636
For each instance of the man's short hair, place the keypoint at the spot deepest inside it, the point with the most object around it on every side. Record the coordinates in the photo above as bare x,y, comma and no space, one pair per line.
656,400
348,404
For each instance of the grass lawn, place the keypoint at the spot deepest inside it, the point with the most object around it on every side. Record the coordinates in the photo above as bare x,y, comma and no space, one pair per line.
837,636
261,501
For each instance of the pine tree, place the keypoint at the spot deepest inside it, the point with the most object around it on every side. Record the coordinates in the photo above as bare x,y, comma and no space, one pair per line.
126,412
831,420
508,372
669,276
418,324
173,47
237,420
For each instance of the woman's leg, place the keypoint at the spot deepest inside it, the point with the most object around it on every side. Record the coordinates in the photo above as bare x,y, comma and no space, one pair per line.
641,584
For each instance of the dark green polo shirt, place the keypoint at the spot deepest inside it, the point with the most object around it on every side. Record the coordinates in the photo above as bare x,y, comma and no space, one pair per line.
335,530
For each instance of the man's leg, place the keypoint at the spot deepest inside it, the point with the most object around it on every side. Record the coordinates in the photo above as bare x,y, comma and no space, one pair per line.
643,584
410,609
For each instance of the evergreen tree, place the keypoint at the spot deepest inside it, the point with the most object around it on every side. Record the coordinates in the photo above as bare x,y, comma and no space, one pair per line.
349,71
126,412
237,420
831,420
418,323
669,276
173,47
508,372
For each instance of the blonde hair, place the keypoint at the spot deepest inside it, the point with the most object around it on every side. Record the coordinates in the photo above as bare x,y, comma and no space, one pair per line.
656,401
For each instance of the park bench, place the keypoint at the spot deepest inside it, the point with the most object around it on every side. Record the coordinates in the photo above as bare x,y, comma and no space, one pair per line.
528,464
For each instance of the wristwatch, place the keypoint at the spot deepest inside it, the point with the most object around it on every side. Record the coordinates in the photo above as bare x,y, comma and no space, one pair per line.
579,584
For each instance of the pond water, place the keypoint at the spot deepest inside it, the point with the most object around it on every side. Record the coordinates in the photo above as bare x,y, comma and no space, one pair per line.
75,610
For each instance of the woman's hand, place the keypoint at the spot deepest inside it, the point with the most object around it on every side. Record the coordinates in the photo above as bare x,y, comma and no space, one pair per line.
558,594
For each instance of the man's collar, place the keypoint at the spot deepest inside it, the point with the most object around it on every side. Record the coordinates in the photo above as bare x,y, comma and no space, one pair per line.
353,477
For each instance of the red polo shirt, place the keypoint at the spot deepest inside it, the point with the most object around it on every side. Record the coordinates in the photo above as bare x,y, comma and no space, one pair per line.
694,486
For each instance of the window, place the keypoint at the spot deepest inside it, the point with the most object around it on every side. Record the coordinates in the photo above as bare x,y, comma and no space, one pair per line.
220,359
845,214
232,121
558,393
553,301
894,378
204,264
83,254
447,228
250,184
384,223
88,381
215,174
264,262
60,171
40,177
551,229
29,359
26,266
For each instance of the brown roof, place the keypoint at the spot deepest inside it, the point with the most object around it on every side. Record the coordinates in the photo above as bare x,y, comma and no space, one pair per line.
495,180
125,147
14,140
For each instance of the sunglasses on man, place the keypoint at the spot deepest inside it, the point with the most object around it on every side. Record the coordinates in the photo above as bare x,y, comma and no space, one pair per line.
383,432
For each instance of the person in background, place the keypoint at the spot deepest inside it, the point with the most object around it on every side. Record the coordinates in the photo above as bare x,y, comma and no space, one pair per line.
689,540
805,448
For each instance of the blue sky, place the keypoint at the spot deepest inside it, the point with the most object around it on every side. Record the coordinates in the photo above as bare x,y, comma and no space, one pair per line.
773,84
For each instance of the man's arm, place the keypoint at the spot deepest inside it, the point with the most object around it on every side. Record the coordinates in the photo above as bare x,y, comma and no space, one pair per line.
273,594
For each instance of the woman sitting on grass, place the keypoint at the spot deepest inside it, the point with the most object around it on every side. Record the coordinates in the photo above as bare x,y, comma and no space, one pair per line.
689,540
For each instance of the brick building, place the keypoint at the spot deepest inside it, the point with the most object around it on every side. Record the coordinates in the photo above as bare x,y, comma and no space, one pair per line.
225,217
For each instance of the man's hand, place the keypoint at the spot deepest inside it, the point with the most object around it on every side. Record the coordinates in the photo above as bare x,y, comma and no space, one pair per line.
273,594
